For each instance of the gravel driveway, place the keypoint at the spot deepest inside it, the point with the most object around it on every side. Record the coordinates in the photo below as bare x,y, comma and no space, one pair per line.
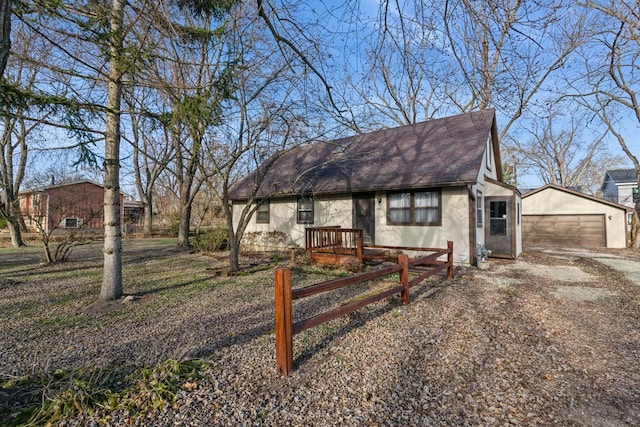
552,339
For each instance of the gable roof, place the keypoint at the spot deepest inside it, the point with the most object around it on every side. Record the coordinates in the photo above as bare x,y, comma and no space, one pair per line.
64,184
440,152
577,193
622,175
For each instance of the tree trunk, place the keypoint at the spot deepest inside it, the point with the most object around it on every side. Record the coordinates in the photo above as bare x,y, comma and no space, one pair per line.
184,224
47,249
635,230
148,215
112,273
15,232
5,33
234,254
14,218
234,238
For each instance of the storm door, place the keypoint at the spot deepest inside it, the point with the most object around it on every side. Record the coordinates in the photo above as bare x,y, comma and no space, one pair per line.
364,216
498,233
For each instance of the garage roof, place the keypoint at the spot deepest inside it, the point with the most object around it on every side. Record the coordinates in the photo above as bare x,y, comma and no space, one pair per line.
579,194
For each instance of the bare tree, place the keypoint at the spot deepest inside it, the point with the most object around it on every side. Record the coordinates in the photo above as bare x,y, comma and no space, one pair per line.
5,33
152,152
267,113
17,130
433,58
192,74
609,82
561,149
94,44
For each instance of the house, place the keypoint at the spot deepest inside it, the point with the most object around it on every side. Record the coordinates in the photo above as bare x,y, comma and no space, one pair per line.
620,186
553,215
419,185
66,206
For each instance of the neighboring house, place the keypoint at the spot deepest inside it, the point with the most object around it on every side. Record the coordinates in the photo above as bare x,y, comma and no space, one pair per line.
553,215
133,212
68,206
418,185
619,185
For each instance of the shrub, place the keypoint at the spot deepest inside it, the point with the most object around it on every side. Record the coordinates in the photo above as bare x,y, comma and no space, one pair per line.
212,240
174,223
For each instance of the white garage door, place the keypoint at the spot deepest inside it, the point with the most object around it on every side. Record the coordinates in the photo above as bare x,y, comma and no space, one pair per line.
564,230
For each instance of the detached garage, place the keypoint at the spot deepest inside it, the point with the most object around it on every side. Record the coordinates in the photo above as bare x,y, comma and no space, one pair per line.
553,215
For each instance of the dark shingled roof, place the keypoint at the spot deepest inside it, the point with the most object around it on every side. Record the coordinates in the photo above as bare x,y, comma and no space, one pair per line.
623,175
439,152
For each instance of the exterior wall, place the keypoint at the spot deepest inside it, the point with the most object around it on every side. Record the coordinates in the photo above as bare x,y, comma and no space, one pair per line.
83,201
625,194
455,225
337,210
554,202
283,229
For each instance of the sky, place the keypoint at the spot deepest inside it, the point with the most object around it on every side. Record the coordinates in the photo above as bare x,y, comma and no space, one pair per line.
350,50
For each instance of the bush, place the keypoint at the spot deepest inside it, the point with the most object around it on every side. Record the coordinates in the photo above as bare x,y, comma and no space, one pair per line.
212,240
174,223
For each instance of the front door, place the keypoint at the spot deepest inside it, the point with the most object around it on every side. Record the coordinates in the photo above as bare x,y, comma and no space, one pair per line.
364,216
498,233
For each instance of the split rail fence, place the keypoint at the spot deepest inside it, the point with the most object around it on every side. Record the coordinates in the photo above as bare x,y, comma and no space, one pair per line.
285,328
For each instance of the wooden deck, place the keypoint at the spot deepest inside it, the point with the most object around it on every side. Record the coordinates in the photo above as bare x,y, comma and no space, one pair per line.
334,244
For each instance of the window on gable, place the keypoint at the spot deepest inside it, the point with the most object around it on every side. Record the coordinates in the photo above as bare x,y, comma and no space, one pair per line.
488,153
305,210
479,211
414,208
262,213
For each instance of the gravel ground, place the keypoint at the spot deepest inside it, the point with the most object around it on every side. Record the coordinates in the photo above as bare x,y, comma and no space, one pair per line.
546,340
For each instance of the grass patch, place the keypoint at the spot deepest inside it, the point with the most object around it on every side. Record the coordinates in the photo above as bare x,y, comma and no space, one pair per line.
50,398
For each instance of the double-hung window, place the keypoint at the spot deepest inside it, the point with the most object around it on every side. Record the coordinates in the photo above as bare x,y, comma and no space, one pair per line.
262,213
414,208
305,210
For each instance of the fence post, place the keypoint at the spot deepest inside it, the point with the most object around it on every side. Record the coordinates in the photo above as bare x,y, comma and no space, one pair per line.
360,245
283,327
403,260
450,260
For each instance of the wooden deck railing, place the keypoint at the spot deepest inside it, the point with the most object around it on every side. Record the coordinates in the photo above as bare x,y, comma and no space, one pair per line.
326,244
285,328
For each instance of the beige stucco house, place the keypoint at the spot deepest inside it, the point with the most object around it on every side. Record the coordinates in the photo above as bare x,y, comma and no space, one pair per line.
553,215
418,185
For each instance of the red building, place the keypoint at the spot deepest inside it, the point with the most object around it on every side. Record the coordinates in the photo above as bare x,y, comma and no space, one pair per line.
72,205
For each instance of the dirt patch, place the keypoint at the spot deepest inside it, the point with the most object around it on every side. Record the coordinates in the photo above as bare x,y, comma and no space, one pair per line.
580,293
562,273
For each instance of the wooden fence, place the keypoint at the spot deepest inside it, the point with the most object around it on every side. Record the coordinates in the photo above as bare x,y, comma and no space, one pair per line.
285,328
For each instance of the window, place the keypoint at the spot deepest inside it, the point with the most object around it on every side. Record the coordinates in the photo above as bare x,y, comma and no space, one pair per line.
70,223
414,208
489,153
305,210
479,212
498,218
262,213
